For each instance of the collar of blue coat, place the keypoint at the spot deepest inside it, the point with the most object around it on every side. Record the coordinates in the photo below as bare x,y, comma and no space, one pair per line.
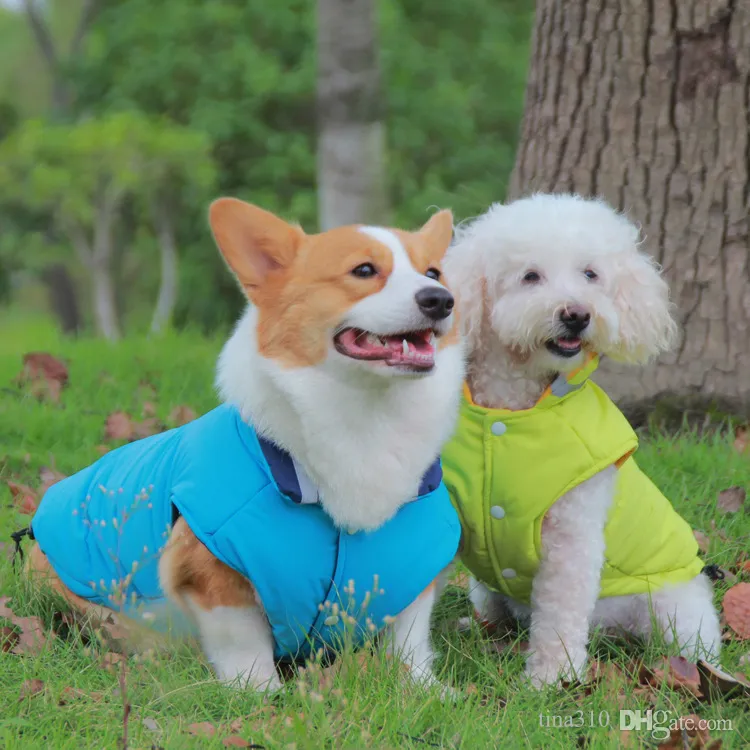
293,481
562,386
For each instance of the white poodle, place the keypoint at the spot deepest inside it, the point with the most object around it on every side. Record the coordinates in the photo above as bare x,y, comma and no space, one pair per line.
559,524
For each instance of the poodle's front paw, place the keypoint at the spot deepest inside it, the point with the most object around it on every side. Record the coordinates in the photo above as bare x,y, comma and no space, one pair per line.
542,672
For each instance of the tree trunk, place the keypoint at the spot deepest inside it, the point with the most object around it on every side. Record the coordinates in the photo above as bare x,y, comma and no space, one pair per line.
105,304
351,134
646,103
60,284
169,272
62,296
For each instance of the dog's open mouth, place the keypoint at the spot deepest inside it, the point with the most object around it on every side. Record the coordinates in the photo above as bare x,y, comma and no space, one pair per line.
565,346
412,349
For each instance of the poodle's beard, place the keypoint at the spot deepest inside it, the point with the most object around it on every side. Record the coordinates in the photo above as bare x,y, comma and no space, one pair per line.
539,345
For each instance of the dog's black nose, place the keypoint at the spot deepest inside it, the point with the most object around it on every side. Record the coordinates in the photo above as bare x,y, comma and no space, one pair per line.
575,319
435,302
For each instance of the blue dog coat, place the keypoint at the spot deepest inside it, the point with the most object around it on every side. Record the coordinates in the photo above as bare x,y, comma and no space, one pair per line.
246,500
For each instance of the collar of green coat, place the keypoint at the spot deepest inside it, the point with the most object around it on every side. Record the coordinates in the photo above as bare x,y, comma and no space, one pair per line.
560,388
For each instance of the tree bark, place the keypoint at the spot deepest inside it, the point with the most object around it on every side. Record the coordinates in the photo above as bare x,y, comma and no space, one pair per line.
351,134
646,103
169,283
105,305
60,284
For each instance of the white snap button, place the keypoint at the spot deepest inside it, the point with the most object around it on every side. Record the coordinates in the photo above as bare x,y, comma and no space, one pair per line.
498,428
497,512
508,573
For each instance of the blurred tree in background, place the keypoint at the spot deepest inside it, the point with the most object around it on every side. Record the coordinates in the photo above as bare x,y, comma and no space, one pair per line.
243,77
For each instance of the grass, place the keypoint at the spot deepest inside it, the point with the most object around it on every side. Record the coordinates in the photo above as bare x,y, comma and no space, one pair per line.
364,703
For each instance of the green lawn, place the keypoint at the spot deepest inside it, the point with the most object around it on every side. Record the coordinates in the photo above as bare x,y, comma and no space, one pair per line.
363,703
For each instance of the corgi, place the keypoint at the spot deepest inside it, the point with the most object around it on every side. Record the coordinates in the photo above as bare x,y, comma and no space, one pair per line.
308,510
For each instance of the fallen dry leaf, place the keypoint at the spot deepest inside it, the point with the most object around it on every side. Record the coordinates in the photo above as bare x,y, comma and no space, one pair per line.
148,409
715,680
48,477
146,427
731,500
181,415
202,729
151,724
111,660
690,727
703,541
118,426
736,607
102,449
719,532
677,673
70,694
25,499
741,439
46,374
237,742
31,638
30,688
8,638
461,580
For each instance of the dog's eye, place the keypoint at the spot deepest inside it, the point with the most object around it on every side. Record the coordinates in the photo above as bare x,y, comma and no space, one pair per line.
432,273
364,271
591,275
531,277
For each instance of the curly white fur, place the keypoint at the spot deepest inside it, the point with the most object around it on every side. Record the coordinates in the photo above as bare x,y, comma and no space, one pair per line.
515,270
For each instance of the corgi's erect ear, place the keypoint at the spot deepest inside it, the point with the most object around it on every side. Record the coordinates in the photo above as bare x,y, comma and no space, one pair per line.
438,232
254,242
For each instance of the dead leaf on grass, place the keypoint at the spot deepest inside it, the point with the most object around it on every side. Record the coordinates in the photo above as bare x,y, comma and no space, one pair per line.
8,638
741,439
147,427
48,477
70,694
111,661
24,498
151,724
31,638
102,449
461,580
677,673
148,409
690,733
202,729
46,375
719,532
30,688
716,680
702,539
237,742
181,415
736,607
118,426
731,500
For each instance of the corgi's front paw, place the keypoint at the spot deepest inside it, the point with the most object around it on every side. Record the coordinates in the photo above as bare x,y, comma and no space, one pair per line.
425,677
259,677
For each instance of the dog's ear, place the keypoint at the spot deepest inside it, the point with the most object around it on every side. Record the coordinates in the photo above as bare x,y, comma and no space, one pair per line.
437,233
464,268
254,243
641,297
